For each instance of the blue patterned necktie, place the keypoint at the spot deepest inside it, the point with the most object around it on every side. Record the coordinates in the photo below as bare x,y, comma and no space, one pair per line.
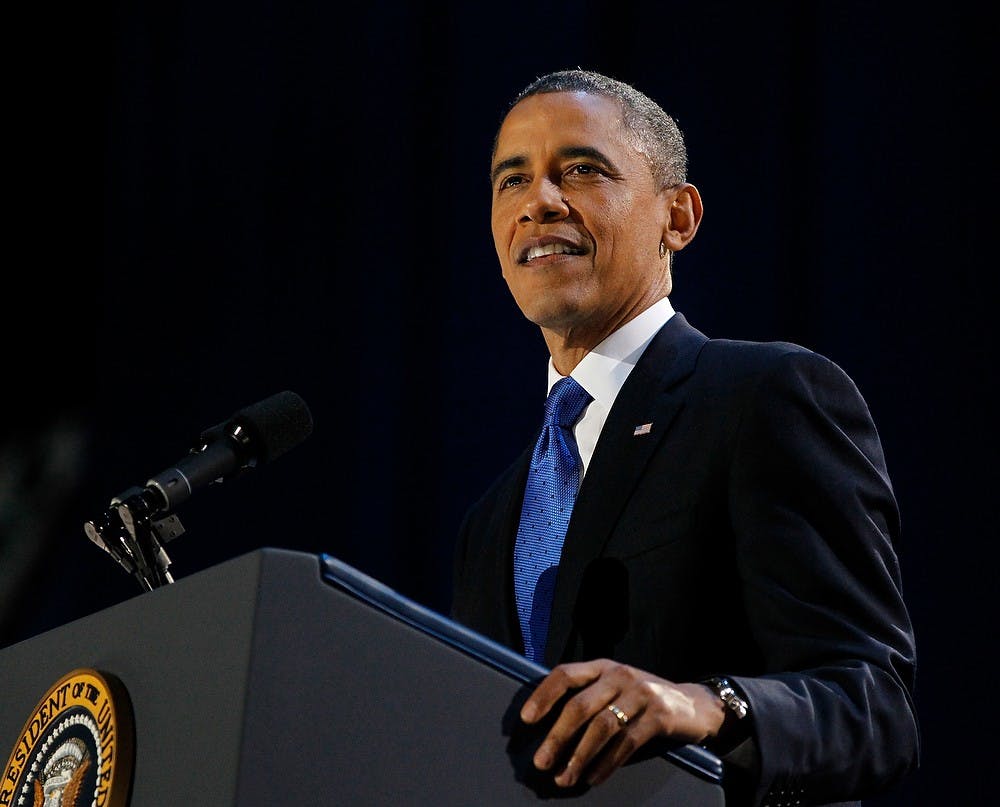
553,481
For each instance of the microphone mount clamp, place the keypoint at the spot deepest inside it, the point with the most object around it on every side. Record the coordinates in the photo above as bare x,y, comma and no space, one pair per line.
129,531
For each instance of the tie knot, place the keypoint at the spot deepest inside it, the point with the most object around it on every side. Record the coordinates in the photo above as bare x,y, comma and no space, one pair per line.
565,402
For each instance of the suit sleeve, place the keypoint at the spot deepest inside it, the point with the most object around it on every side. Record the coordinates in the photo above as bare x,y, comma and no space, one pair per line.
816,520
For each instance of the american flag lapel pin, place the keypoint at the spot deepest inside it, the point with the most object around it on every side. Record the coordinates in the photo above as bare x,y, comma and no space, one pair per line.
643,429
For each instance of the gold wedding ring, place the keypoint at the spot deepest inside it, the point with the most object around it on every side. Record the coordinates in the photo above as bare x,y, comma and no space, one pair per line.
622,717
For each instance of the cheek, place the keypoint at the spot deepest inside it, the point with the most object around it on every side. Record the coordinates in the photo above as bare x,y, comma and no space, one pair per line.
502,234
500,248
610,231
626,232
605,220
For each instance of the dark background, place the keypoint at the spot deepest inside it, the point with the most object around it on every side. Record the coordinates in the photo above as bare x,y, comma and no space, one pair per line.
211,202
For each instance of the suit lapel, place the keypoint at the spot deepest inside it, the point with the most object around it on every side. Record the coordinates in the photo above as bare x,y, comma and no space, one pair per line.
649,396
508,518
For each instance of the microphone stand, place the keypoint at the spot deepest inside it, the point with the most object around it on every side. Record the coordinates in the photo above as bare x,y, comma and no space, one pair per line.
139,521
128,532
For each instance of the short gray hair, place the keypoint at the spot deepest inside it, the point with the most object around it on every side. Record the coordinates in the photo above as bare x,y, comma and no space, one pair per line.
653,132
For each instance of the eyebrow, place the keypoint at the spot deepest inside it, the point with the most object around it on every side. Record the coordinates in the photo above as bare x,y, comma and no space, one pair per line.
569,152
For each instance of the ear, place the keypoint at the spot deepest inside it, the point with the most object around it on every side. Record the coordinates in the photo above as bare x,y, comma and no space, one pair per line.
684,216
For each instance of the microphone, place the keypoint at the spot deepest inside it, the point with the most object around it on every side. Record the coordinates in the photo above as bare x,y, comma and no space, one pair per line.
250,437
140,520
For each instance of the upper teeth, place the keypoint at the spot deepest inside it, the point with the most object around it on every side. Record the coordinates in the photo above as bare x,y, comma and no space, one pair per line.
549,249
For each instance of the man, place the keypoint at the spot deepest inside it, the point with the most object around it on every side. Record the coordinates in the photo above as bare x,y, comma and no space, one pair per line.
727,573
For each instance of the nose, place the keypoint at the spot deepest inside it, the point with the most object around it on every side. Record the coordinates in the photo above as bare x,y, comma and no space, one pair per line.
544,202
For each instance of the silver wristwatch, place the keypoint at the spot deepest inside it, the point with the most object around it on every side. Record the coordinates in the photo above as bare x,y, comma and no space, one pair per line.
729,697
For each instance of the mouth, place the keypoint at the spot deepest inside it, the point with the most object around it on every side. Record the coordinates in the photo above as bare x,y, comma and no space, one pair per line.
542,250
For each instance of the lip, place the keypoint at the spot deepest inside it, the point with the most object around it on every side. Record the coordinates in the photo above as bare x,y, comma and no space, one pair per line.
569,248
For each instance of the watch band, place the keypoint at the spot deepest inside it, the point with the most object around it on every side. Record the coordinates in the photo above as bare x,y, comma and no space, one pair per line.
729,697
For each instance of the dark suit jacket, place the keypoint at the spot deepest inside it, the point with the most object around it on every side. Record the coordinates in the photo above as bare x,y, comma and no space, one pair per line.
750,533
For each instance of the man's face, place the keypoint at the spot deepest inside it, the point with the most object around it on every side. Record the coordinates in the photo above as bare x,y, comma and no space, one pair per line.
576,218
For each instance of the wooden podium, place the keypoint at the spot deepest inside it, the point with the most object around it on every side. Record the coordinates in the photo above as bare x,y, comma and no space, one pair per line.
283,677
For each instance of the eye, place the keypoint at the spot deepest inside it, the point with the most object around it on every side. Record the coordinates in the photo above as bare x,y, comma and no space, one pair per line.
510,181
584,169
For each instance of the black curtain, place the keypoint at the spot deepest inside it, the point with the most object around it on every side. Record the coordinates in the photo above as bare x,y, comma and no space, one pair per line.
216,201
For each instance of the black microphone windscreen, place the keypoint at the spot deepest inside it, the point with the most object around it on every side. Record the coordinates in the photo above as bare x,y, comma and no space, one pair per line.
276,424
272,426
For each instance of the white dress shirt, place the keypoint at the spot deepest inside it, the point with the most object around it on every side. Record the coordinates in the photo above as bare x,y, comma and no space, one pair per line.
603,371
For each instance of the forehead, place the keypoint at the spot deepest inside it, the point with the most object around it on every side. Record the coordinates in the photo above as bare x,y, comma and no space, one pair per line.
560,119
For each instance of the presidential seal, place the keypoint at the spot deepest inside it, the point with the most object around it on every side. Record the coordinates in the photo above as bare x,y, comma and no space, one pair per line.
76,748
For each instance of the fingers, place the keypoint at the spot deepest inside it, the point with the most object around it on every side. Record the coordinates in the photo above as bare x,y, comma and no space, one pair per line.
600,683
612,711
606,743
556,684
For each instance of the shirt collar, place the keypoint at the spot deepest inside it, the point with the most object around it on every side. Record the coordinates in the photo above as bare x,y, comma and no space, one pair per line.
603,371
